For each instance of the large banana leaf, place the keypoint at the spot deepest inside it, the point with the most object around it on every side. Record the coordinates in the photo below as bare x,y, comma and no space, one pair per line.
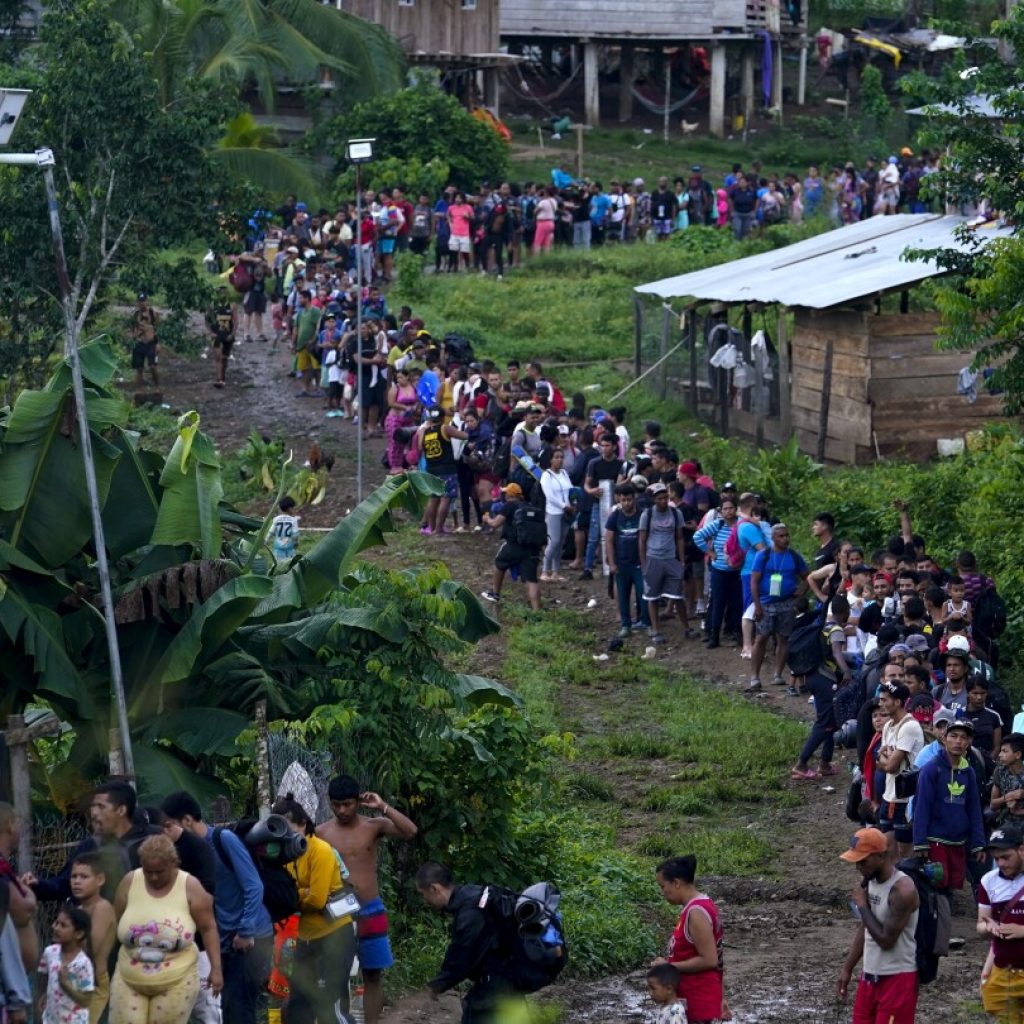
131,509
478,621
210,626
198,731
310,578
476,691
160,772
192,491
42,476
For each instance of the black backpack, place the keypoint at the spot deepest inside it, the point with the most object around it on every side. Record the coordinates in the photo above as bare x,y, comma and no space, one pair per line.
990,613
529,528
806,644
531,937
458,350
933,921
280,893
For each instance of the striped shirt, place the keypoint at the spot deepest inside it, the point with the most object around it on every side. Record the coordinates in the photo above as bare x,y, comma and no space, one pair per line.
712,539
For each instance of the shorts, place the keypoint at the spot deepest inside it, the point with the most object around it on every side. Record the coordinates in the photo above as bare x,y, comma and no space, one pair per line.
1002,994
663,227
748,598
304,361
374,948
335,390
255,302
888,199
888,999
225,345
663,577
954,864
386,246
143,352
582,521
459,243
510,555
778,619
450,481
892,817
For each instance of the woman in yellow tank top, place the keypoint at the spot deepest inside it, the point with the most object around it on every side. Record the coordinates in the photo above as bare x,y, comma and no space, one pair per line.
159,908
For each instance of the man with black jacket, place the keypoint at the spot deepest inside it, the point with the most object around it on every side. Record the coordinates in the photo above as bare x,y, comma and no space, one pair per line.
474,950
116,837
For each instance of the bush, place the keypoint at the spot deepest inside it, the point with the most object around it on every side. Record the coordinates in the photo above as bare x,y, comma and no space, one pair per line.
417,130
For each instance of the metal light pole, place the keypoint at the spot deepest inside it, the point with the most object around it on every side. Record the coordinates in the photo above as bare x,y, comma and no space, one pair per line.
43,159
359,152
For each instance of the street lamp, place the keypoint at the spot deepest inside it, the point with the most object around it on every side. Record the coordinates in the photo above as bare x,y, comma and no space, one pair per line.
359,152
12,102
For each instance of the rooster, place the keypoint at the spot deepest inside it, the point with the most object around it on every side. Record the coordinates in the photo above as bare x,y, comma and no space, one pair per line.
688,128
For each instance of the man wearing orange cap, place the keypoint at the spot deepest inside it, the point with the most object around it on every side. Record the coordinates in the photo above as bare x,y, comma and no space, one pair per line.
886,905
523,537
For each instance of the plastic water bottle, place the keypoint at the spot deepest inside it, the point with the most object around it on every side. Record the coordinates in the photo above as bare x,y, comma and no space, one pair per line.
355,1007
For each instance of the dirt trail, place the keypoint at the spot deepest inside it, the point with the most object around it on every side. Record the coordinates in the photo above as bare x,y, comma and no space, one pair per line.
786,933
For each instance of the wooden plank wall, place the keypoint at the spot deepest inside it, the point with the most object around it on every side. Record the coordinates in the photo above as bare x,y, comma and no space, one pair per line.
848,437
913,386
642,19
433,26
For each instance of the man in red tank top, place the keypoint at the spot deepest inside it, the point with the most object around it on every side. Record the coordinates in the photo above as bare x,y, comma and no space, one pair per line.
695,949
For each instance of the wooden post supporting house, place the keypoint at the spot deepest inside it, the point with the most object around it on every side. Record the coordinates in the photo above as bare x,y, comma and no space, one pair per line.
747,87
591,86
716,116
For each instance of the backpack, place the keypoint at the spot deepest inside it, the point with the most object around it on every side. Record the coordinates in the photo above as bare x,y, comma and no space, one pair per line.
458,349
933,921
806,644
531,937
529,529
734,553
241,278
280,893
501,457
990,613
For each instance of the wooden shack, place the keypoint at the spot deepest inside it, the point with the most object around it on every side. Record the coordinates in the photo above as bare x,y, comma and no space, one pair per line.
851,382
891,391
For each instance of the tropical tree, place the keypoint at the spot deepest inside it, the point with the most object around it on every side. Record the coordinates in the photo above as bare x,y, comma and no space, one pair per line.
208,622
981,167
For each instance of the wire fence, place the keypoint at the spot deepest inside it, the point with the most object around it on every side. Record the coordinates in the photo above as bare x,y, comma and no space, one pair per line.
296,769
727,374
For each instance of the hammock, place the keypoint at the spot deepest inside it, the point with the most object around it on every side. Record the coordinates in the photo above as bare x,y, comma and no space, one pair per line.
659,108
526,93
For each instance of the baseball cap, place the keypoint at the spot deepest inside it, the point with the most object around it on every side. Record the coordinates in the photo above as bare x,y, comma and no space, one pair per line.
300,206
922,707
293,249
689,469
638,182
728,486
917,642
563,429
696,168
512,491
330,316
865,841
639,482
436,414
657,488
906,151
944,716
142,296
959,644
961,723
1005,838
899,649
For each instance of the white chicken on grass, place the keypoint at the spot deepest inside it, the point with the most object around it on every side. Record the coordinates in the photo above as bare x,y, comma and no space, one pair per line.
688,128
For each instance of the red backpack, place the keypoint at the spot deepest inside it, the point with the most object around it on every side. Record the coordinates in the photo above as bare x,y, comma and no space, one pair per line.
734,553
241,277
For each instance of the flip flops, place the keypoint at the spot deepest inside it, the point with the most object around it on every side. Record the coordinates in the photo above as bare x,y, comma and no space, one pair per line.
804,775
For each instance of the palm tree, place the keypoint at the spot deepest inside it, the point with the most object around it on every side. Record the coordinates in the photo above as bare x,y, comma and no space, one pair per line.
260,44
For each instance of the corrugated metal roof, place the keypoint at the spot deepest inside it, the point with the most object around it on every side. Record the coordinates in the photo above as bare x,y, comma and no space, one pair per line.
849,263
973,106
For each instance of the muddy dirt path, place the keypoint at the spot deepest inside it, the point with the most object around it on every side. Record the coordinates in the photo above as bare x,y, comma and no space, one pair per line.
787,932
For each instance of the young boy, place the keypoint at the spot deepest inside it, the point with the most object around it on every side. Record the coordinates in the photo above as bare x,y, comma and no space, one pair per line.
1008,781
86,881
662,981
958,606
285,530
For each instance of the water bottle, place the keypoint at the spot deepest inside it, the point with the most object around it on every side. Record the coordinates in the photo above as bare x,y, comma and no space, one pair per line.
935,873
356,1012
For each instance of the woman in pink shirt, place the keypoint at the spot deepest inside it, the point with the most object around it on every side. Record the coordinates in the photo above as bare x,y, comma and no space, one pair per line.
546,213
460,219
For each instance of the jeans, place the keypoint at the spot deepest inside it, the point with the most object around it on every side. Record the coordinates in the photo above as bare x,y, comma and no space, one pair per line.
594,536
629,580
245,978
741,225
726,601
553,552
320,978
824,729
581,234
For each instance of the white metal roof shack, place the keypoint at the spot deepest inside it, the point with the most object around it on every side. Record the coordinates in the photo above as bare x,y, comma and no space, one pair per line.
848,263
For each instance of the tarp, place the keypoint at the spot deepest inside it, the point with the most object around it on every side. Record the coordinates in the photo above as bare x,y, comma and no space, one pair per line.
839,266
975,106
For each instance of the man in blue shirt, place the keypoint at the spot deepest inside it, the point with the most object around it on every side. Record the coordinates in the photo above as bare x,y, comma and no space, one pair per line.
246,931
778,577
600,209
753,536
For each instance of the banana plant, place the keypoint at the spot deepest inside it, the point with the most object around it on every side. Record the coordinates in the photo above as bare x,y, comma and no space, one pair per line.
208,622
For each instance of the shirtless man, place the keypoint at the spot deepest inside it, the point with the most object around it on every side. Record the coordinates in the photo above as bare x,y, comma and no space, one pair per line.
357,839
